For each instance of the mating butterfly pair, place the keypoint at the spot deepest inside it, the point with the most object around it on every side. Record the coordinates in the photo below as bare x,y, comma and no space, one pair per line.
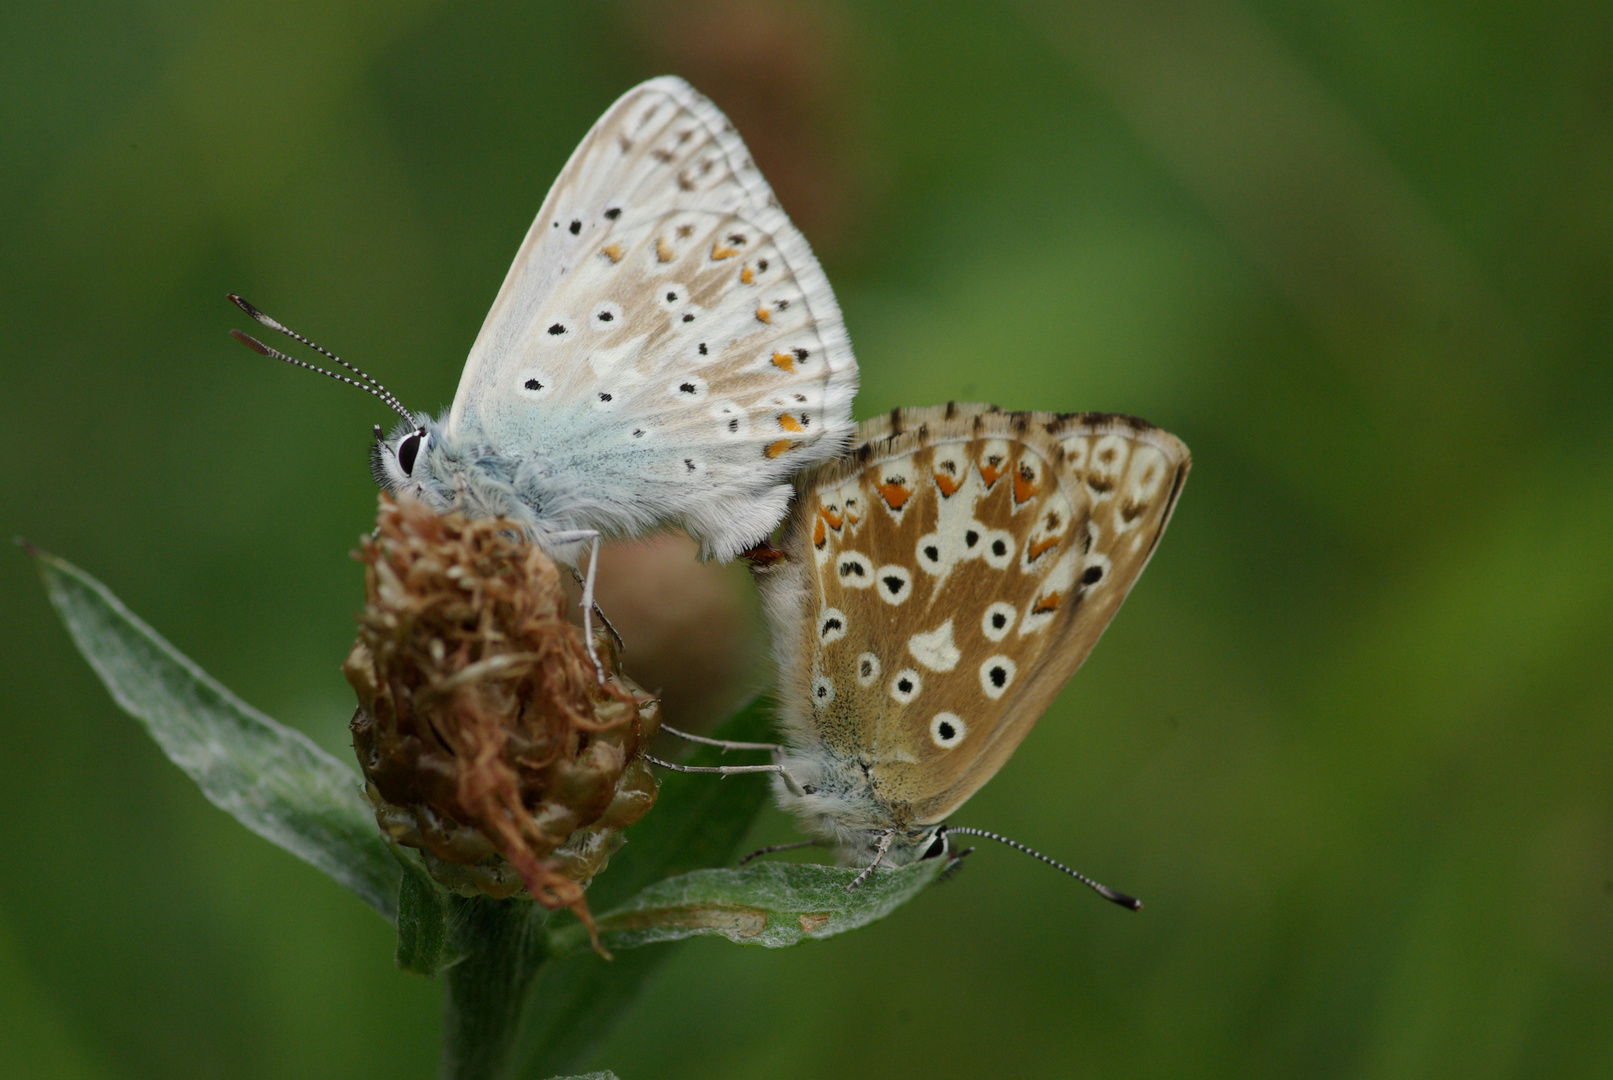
666,351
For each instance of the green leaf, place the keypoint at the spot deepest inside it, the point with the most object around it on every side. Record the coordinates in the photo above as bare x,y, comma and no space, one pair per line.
604,1075
425,944
698,821
270,778
768,904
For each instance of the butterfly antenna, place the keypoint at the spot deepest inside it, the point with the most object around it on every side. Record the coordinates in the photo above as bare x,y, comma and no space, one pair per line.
276,325
259,347
1129,902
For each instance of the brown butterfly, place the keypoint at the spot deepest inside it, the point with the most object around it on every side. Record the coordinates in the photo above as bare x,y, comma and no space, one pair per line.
940,583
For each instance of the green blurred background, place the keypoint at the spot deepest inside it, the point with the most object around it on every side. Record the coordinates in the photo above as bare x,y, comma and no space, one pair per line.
1349,740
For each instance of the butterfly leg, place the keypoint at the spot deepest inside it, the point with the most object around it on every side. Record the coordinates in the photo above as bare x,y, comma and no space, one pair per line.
735,770
563,540
588,605
773,848
883,846
725,744
954,864
599,612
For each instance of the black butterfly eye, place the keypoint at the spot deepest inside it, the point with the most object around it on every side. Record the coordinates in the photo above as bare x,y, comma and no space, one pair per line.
408,449
937,848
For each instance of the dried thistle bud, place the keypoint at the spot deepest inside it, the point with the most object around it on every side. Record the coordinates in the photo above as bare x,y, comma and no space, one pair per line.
485,738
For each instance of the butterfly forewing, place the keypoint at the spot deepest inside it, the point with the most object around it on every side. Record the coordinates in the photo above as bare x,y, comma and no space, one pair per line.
963,564
664,326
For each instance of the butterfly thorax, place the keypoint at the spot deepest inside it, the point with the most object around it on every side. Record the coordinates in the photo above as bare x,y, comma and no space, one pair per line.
465,472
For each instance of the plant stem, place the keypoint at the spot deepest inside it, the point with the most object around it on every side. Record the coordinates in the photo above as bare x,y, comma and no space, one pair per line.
502,942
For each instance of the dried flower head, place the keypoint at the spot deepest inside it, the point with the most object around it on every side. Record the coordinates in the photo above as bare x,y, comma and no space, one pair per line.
484,737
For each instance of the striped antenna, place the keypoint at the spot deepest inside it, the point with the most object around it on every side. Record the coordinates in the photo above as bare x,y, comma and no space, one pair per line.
369,385
1129,902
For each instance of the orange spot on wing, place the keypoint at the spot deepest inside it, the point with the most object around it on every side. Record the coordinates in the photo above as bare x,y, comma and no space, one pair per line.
718,251
789,423
747,275
1049,602
895,495
784,361
835,520
819,535
613,252
1041,547
1024,486
947,484
775,449
763,315
991,472
663,253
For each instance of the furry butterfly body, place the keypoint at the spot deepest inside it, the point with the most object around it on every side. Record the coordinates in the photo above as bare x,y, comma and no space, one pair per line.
940,584
664,351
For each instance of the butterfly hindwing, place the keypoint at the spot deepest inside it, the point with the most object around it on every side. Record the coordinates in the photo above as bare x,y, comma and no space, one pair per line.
665,335
959,566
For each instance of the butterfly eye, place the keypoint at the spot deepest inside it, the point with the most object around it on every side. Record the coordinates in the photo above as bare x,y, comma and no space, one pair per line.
408,450
937,848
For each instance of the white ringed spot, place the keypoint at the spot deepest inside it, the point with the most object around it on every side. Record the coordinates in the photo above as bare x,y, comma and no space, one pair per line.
998,548
854,569
823,690
606,316
997,675
947,730
831,626
1095,572
906,685
998,620
535,384
867,669
895,583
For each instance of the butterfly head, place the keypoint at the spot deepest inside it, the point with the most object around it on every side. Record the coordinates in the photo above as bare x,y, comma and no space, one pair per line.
402,462
842,800
422,459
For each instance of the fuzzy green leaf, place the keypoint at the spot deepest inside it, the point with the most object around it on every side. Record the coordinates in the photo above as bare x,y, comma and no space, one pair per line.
425,941
768,904
270,778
